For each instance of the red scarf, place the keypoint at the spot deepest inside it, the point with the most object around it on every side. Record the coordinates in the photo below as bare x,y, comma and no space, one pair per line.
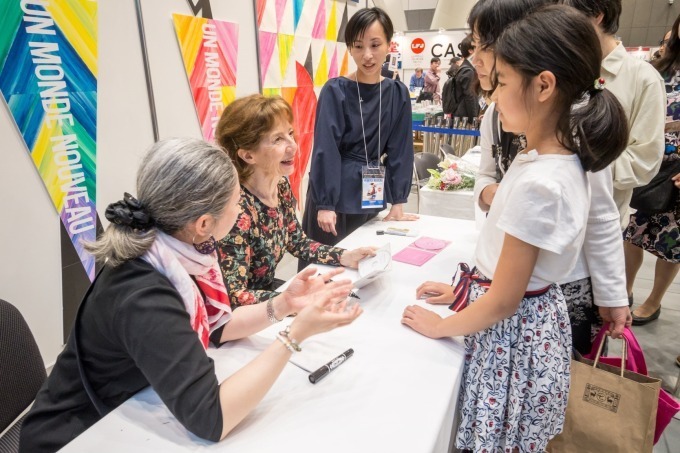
178,261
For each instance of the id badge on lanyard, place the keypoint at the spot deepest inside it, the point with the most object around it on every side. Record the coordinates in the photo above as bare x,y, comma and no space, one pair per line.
372,187
372,177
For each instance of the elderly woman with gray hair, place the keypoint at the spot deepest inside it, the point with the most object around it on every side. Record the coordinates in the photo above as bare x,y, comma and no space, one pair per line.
149,315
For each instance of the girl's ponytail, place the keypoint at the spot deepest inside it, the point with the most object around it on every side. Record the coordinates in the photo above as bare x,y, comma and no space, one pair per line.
599,130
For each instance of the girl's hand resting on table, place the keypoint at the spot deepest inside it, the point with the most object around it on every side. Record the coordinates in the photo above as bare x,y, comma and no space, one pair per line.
435,293
421,320
351,258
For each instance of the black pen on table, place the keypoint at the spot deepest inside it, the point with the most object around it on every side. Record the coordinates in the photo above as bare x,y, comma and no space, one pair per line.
330,366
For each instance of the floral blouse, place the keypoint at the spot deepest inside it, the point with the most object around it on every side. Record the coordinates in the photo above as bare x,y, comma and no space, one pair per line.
261,236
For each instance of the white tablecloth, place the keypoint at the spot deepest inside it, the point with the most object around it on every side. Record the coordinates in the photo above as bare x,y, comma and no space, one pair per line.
398,393
457,204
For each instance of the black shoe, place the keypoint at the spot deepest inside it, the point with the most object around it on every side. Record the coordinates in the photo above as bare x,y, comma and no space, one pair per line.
630,301
641,320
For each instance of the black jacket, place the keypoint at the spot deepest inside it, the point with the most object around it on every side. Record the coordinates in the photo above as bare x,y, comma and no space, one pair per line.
458,97
134,332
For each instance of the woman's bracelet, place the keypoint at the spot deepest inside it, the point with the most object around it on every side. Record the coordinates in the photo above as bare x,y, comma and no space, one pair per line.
286,343
290,343
270,312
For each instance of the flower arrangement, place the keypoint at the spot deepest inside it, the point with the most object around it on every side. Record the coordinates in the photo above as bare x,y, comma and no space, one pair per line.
452,176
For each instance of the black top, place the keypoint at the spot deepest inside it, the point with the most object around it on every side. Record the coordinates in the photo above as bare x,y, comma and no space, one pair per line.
339,154
458,96
134,332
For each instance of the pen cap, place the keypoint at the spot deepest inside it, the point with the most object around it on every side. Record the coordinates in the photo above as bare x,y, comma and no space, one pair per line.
330,366
319,374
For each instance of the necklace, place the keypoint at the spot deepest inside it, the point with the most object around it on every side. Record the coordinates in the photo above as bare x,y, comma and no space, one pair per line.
361,114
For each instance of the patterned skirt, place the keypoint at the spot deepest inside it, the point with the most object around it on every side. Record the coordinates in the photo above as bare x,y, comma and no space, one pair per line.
584,315
516,377
659,234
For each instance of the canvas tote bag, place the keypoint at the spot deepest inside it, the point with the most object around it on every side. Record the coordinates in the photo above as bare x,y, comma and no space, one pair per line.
609,409
635,361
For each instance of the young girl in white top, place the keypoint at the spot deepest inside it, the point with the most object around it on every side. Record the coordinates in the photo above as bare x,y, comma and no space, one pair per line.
516,327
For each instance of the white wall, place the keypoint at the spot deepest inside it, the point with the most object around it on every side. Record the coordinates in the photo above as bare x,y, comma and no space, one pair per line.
30,258
452,14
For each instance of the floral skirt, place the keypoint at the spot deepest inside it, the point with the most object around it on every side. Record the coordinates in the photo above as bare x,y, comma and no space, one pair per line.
516,377
659,234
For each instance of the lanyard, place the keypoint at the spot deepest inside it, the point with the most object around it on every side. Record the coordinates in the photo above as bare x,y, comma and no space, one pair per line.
361,114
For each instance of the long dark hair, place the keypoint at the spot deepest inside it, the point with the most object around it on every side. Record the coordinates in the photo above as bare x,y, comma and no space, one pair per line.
561,40
489,18
670,61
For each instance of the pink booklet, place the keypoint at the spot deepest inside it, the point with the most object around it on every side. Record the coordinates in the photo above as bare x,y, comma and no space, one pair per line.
420,251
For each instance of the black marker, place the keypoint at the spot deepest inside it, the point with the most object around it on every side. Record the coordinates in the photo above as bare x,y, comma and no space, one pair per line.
330,366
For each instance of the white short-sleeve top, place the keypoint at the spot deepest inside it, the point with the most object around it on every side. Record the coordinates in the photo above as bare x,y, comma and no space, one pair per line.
543,201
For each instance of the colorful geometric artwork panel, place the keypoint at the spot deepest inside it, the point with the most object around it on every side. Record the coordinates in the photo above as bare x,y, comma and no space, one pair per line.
48,79
301,45
209,50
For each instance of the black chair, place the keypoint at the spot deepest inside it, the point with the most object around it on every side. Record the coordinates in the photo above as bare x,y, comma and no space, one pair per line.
424,162
22,373
446,150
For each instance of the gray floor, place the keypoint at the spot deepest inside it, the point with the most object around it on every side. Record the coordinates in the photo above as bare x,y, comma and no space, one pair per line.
660,340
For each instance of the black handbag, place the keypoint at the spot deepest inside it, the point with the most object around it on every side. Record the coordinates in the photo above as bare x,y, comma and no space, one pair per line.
660,194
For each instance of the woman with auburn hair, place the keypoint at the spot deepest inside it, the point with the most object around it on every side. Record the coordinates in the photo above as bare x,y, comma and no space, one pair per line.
258,135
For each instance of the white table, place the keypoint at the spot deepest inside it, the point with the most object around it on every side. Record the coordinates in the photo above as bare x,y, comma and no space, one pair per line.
398,393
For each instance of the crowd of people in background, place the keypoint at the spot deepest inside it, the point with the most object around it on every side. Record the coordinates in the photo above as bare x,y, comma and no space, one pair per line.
575,132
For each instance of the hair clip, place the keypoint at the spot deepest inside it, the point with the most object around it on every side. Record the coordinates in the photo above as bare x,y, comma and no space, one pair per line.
599,84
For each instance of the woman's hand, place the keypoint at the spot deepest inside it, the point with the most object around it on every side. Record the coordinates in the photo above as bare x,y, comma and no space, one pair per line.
397,213
330,310
488,194
436,293
326,221
351,258
618,317
676,180
307,287
421,320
